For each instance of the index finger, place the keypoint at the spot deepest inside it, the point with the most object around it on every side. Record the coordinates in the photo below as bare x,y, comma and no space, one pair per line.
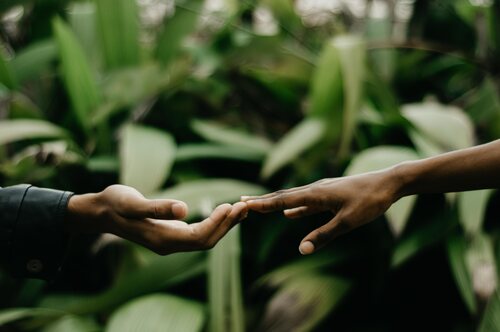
281,201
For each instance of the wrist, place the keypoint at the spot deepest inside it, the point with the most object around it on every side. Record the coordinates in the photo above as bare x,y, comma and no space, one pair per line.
82,214
404,176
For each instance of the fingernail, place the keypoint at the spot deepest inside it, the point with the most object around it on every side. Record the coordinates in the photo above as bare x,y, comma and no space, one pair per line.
306,248
178,209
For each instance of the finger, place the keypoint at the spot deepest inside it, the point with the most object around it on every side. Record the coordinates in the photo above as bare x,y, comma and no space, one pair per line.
205,228
238,212
282,201
302,211
140,208
321,236
273,194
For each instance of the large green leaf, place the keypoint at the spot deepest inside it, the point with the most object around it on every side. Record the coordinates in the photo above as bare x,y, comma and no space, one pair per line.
36,57
491,317
456,248
480,260
176,28
78,78
73,324
118,27
302,137
146,157
157,274
381,157
472,208
7,76
439,128
201,195
303,301
158,312
15,130
217,133
29,316
352,55
224,285
82,17
188,152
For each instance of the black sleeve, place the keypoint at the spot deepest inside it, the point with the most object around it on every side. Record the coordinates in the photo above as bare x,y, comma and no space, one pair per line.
33,242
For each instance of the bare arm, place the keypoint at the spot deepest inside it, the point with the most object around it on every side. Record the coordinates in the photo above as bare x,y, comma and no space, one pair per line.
357,200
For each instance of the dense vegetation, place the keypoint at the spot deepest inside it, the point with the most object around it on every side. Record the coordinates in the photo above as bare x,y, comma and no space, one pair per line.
207,101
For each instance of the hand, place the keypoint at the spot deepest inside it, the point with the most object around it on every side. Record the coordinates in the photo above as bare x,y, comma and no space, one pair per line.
123,211
353,201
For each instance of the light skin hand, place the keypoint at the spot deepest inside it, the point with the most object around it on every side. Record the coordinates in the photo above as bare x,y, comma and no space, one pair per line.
155,224
353,202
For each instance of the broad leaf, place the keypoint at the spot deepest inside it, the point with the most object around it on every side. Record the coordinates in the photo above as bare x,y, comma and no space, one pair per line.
30,61
302,137
73,324
175,29
158,312
31,316
472,208
146,157
383,157
491,317
224,285
480,260
15,130
456,248
439,128
188,152
217,133
118,26
77,75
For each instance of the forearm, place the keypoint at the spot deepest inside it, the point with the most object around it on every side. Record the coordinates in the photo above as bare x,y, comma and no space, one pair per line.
468,169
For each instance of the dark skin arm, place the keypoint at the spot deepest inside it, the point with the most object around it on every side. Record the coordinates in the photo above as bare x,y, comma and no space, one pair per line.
155,224
357,200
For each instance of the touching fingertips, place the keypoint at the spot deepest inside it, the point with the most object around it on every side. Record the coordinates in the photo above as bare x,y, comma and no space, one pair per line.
306,248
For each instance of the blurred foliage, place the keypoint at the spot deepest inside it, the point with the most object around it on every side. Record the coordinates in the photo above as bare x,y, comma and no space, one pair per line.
205,101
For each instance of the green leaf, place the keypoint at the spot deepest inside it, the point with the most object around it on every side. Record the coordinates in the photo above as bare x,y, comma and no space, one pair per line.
481,264
118,27
438,128
7,77
73,324
302,137
175,30
217,133
103,164
146,157
381,157
456,248
303,301
158,274
201,195
76,72
35,316
188,152
472,208
82,17
224,285
491,317
36,57
158,312
352,53
16,130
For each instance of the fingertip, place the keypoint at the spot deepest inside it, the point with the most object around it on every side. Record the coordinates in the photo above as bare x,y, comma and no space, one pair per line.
306,248
180,210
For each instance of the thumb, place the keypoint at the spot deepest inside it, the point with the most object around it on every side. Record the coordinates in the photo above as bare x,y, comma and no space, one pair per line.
322,235
158,209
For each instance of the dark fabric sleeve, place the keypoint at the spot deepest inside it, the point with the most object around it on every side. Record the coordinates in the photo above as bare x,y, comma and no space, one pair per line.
32,236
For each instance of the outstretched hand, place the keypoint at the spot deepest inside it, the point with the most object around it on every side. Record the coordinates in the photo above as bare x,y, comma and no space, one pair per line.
353,201
155,224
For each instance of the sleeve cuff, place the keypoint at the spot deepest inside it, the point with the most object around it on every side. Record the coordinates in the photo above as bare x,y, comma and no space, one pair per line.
39,241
